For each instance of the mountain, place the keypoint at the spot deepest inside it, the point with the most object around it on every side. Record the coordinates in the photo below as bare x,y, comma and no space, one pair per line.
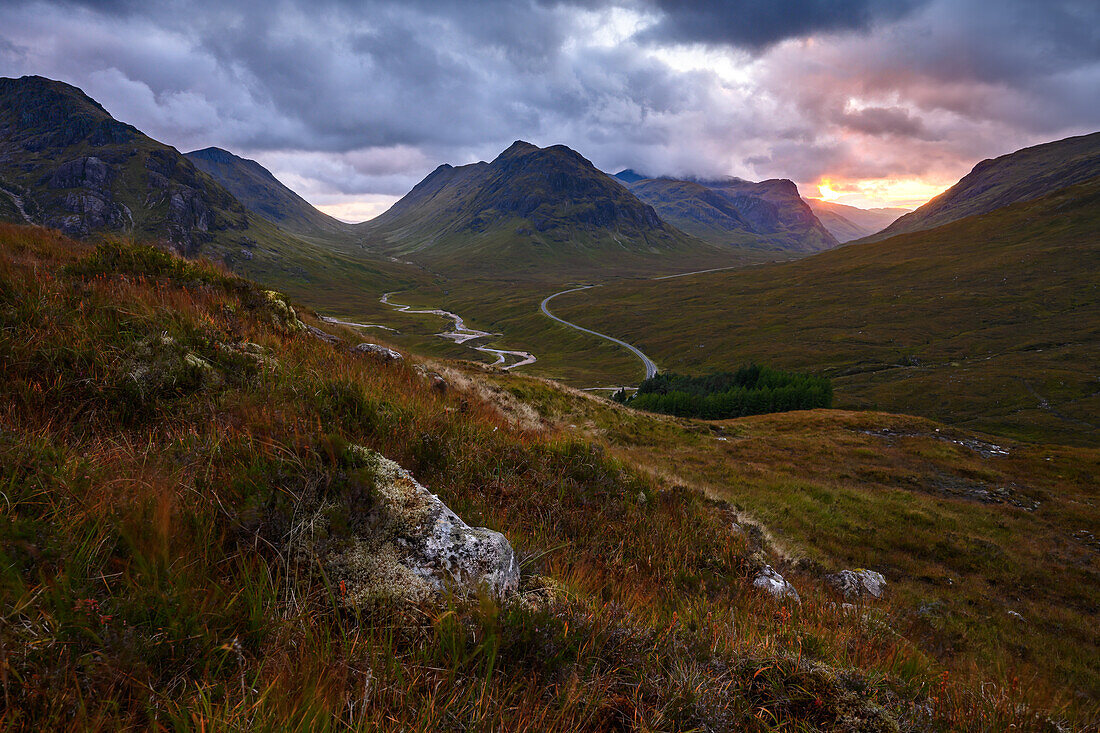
1021,176
263,194
66,163
849,222
531,209
766,215
991,322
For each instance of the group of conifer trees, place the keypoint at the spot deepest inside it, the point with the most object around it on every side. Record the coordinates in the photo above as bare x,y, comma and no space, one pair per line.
751,390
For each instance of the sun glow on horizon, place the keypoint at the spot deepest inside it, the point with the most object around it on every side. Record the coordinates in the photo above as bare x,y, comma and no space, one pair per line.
873,193
825,191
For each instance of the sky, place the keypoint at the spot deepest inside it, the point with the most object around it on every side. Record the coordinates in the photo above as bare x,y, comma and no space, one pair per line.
351,102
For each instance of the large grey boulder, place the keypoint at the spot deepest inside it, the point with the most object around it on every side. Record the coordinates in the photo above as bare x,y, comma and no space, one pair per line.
414,547
771,581
856,584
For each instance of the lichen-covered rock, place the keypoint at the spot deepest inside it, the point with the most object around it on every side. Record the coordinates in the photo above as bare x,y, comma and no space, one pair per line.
855,584
261,356
379,352
413,548
160,367
283,313
771,581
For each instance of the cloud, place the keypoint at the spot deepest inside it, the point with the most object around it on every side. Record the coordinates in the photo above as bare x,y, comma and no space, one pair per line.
758,25
354,99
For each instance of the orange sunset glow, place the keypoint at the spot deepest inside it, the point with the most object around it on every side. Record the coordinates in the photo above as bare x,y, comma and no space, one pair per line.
871,193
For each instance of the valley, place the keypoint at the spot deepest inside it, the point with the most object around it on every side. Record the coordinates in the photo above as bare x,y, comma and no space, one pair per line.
225,413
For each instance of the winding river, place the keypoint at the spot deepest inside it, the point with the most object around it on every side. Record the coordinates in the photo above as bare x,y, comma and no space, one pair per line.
460,334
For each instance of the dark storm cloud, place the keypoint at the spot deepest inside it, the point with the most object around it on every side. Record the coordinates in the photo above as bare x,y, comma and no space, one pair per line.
366,97
757,24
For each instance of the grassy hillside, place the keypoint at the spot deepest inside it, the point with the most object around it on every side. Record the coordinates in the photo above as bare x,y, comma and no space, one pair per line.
992,322
965,530
161,420
1021,176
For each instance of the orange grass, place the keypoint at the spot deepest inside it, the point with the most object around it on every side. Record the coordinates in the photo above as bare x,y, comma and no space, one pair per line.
146,585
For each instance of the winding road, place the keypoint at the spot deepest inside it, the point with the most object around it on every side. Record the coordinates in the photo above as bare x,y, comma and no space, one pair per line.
650,367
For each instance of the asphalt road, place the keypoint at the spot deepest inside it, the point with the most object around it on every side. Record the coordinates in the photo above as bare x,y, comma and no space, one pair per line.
650,367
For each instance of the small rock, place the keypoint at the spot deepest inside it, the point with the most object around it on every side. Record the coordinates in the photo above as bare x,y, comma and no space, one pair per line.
854,584
771,581
380,352
196,361
317,333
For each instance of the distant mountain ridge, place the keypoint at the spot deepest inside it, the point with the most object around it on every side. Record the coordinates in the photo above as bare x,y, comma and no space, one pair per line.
730,211
529,205
263,194
1024,175
847,223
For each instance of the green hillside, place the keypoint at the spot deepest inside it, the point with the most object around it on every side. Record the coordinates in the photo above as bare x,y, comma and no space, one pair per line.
992,322
1021,176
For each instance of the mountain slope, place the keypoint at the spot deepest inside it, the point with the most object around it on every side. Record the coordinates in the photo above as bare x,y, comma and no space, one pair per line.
992,322
263,194
532,210
66,163
847,223
74,167
767,215
1021,176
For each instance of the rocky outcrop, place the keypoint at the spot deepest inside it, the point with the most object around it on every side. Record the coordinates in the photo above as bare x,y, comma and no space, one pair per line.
857,584
409,547
771,581
88,172
379,352
84,201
